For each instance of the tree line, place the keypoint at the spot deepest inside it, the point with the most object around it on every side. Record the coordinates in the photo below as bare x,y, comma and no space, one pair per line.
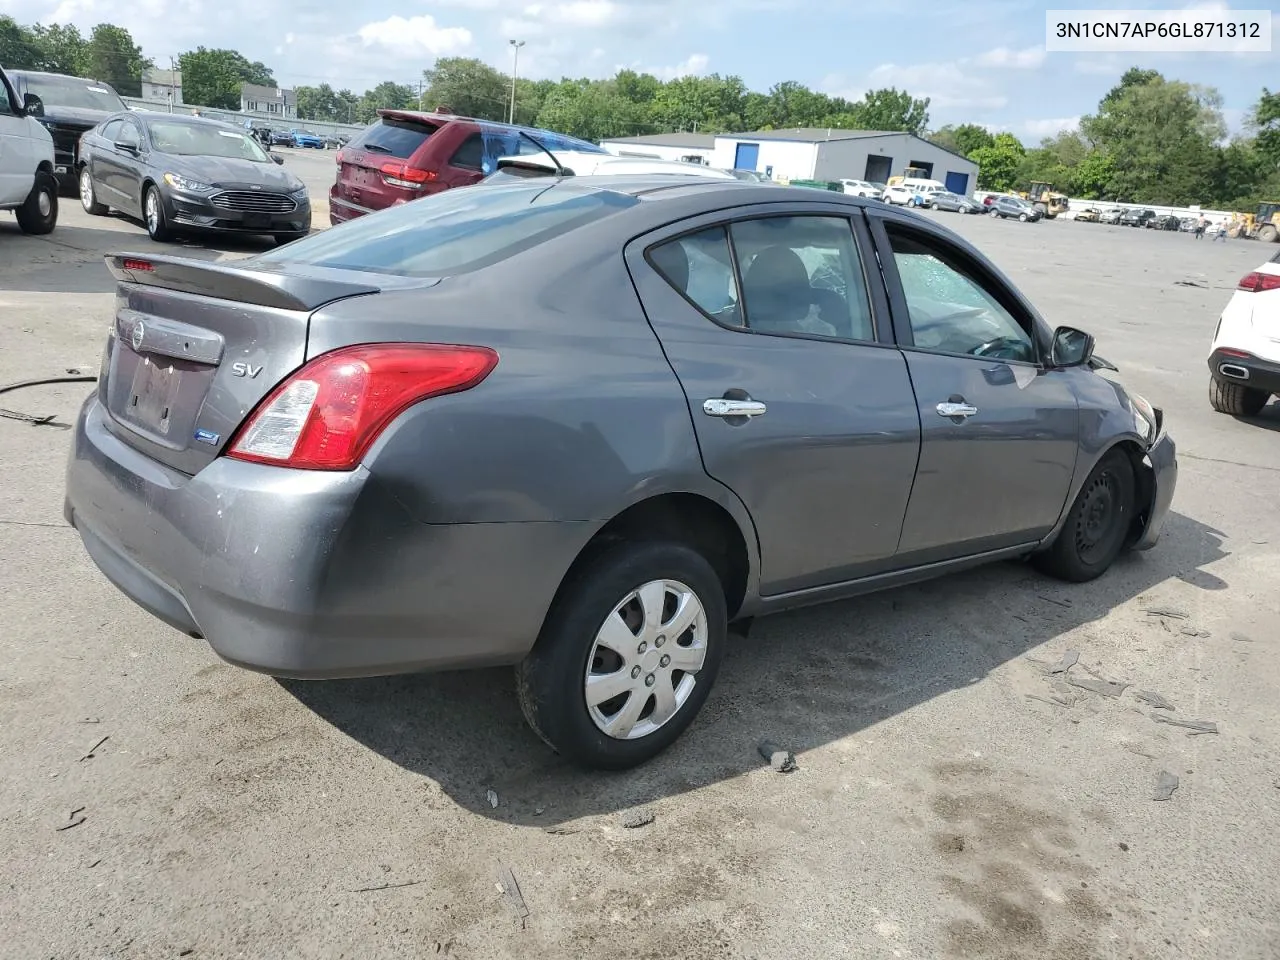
1151,139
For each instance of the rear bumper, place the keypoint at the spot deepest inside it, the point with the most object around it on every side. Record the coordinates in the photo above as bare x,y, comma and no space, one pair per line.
1163,456
1258,373
193,212
309,574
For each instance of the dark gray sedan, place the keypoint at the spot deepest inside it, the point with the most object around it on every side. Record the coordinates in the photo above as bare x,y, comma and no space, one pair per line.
582,425
189,174
954,203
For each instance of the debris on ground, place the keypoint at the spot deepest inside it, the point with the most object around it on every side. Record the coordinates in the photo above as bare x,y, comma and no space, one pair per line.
389,886
1166,783
635,819
1154,699
1061,603
782,761
1194,632
1191,283
1069,659
1241,638
507,881
76,818
492,796
1174,613
1196,727
562,831
1107,688
93,749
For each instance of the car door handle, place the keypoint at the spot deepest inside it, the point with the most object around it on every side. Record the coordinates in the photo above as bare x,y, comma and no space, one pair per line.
951,408
720,407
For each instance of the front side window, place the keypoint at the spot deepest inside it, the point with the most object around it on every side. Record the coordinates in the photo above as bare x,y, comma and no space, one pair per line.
111,132
950,306
128,134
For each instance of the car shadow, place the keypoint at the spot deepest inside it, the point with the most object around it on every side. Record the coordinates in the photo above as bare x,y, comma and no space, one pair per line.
801,680
1267,419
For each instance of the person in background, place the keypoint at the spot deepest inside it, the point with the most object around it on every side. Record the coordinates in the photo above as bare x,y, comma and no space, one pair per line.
1201,223
1221,233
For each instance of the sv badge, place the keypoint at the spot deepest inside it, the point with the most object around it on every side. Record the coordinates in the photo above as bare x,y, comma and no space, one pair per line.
239,369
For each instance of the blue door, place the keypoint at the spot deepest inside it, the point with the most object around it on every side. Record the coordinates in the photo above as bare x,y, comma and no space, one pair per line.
746,156
958,183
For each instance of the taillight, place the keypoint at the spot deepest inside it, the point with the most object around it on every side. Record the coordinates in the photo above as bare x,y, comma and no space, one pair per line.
1257,282
129,263
403,175
337,158
327,414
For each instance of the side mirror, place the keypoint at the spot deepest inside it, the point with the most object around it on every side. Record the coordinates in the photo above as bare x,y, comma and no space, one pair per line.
1071,347
32,105
277,158
126,147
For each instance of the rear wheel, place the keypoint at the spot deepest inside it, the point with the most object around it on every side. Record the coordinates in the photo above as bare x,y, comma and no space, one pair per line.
1268,233
153,214
627,655
1236,399
89,195
994,214
39,213
1097,524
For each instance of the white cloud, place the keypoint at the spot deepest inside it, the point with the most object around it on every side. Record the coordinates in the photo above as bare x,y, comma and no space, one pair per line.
1050,127
1025,59
947,85
694,65
415,35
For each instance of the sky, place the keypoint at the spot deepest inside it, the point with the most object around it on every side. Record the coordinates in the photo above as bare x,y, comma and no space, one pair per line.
981,61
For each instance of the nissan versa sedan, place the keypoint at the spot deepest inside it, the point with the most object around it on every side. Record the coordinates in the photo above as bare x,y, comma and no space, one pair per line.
581,425
189,174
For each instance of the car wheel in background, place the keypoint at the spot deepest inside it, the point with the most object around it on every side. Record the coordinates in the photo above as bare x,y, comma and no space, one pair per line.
89,196
153,215
627,655
1236,399
38,215
1022,217
994,214
1097,524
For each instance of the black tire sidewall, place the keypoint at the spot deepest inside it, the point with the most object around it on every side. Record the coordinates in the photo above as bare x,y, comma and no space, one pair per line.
552,676
29,218
1064,559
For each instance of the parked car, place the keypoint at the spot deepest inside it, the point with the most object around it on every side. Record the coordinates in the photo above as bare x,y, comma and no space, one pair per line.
578,163
306,139
336,140
1013,208
28,186
581,427
1112,215
189,174
1136,218
750,176
899,194
954,202
1188,224
1165,221
281,138
67,106
862,188
406,154
1244,358
1088,215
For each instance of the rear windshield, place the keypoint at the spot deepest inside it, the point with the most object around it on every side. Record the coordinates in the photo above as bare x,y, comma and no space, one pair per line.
393,138
72,92
454,232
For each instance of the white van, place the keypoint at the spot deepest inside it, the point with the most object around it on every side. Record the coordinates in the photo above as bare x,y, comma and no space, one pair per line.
27,184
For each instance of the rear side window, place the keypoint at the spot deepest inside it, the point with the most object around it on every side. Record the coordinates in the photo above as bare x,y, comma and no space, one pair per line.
469,156
454,232
393,138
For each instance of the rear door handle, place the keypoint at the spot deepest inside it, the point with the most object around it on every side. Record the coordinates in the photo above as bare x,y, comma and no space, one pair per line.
720,407
951,408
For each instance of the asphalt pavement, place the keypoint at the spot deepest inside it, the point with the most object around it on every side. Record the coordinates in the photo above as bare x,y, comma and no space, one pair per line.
951,800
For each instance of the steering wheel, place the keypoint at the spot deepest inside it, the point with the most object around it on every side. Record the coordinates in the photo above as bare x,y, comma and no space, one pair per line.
989,348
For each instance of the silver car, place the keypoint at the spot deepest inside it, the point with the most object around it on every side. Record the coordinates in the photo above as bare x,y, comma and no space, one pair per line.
954,203
582,425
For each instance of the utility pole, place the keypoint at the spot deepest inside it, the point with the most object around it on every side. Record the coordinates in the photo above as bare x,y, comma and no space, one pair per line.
515,68
173,80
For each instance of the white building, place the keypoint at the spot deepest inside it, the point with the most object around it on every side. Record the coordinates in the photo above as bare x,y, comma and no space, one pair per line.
162,86
689,147
812,154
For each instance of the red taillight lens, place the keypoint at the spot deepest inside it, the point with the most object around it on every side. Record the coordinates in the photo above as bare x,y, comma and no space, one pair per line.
1257,282
131,264
327,414
403,175
337,158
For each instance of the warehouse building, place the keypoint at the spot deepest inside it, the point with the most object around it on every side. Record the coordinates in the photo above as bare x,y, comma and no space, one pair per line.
812,154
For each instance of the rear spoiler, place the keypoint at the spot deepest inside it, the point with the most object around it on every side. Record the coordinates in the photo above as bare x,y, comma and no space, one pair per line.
285,291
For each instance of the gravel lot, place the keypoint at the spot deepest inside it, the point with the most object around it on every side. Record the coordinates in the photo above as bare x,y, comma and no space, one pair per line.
946,805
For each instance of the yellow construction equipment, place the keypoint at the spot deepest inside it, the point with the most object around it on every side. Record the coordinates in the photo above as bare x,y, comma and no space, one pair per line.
1043,196
1263,225
911,173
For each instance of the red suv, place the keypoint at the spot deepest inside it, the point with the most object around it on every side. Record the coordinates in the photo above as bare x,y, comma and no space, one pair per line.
406,154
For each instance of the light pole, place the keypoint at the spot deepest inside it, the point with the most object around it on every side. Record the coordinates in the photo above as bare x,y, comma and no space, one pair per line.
515,67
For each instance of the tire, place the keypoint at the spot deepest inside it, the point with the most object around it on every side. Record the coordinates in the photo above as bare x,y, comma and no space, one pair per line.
157,224
551,682
933,206
89,196
38,214
1236,399
994,214
1097,524
1022,217
1268,233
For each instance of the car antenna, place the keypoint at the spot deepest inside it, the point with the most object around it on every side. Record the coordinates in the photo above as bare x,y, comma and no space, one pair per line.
560,171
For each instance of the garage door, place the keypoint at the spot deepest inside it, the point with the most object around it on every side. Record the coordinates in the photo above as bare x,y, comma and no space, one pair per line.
746,156
958,183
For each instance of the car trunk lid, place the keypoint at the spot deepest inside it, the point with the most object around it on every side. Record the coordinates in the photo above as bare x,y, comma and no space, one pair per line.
376,169
196,345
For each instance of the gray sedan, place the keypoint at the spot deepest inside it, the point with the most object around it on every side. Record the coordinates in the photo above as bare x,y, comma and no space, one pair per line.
954,203
581,426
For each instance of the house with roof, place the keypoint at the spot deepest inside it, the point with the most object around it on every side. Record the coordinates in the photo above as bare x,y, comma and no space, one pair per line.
816,153
161,86
276,103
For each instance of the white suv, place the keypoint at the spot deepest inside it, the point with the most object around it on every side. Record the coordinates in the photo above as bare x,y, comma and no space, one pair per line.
1244,359
27,183
575,163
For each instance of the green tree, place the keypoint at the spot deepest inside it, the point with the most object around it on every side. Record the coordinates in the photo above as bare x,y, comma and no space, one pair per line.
1265,119
113,57
998,163
593,112
385,96
963,139
212,77
892,109
65,48
20,49
1133,77
468,87
319,103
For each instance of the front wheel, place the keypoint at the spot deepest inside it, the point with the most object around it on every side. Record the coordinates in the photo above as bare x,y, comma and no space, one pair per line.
627,655
89,194
153,214
994,214
1022,217
1236,399
1097,524
38,215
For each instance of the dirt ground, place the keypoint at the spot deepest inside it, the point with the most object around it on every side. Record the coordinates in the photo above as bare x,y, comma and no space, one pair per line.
951,801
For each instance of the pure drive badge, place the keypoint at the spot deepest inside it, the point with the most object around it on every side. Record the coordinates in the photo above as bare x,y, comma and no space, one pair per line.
207,436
